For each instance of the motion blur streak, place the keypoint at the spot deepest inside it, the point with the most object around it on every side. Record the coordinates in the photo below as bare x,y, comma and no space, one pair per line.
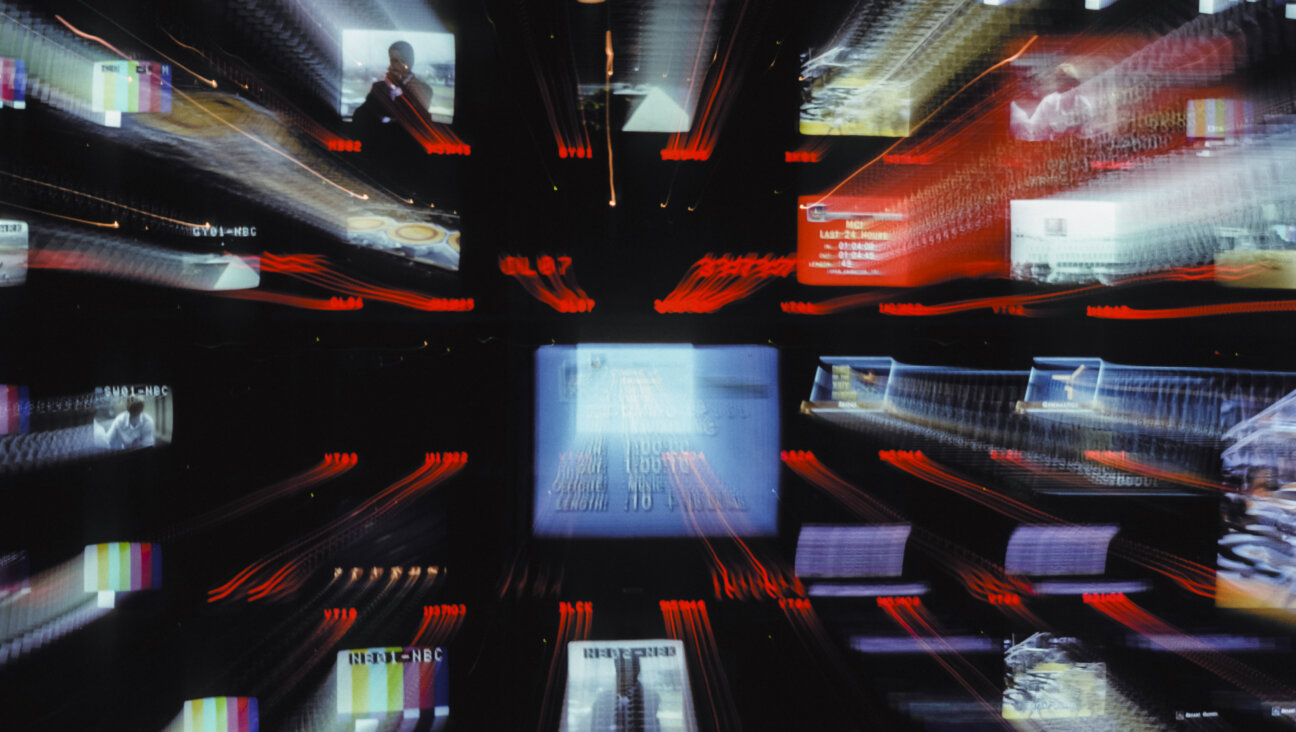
440,624
556,80
302,554
70,250
982,578
114,204
314,269
721,87
1121,461
924,121
1015,304
714,282
908,613
827,661
1122,312
88,222
1196,578
688,621
296,301
56,605
332,466
213,115
573,625
308,654
1256,683
549,282
694,482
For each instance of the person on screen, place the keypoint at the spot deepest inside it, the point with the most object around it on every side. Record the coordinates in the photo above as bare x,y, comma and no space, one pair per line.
389,94
132,428
630,708
393,122
1061,110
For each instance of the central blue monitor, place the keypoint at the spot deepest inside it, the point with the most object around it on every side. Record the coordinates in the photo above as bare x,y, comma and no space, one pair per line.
656,441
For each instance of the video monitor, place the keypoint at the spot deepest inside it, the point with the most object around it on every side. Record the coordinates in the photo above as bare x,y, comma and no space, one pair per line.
219,714
132,417
430,239
1256,562
15,410
408,682
656,440
853,241
13,83
129,87
15,574
629,684
416,63
1048,676
13,253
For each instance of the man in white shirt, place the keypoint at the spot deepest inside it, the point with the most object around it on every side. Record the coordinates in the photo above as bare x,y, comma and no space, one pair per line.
132,428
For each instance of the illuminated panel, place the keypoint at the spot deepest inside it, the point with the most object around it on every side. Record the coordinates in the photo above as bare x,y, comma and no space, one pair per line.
420,241
130,87
1058,550
630,684
122,567
132,417
1218,119
656,440
851,241
886,66
1052,677
13,83
220,714
1062,383
368,69
851,551
850,382
1053,236
15,410
13,253
377,682
1264,442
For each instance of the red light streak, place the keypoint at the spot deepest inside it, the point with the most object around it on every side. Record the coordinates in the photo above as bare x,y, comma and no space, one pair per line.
801,156
440,624
314,268
1122,312
573,624
981,578
699,141
1017,304
305,303
1121,461
299,555
907,612
1120,608
688,470
688,621
333,465
1191,576
549,282
711,283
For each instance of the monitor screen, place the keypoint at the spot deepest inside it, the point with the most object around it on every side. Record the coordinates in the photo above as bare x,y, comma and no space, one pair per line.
640,684
414,60
656,440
